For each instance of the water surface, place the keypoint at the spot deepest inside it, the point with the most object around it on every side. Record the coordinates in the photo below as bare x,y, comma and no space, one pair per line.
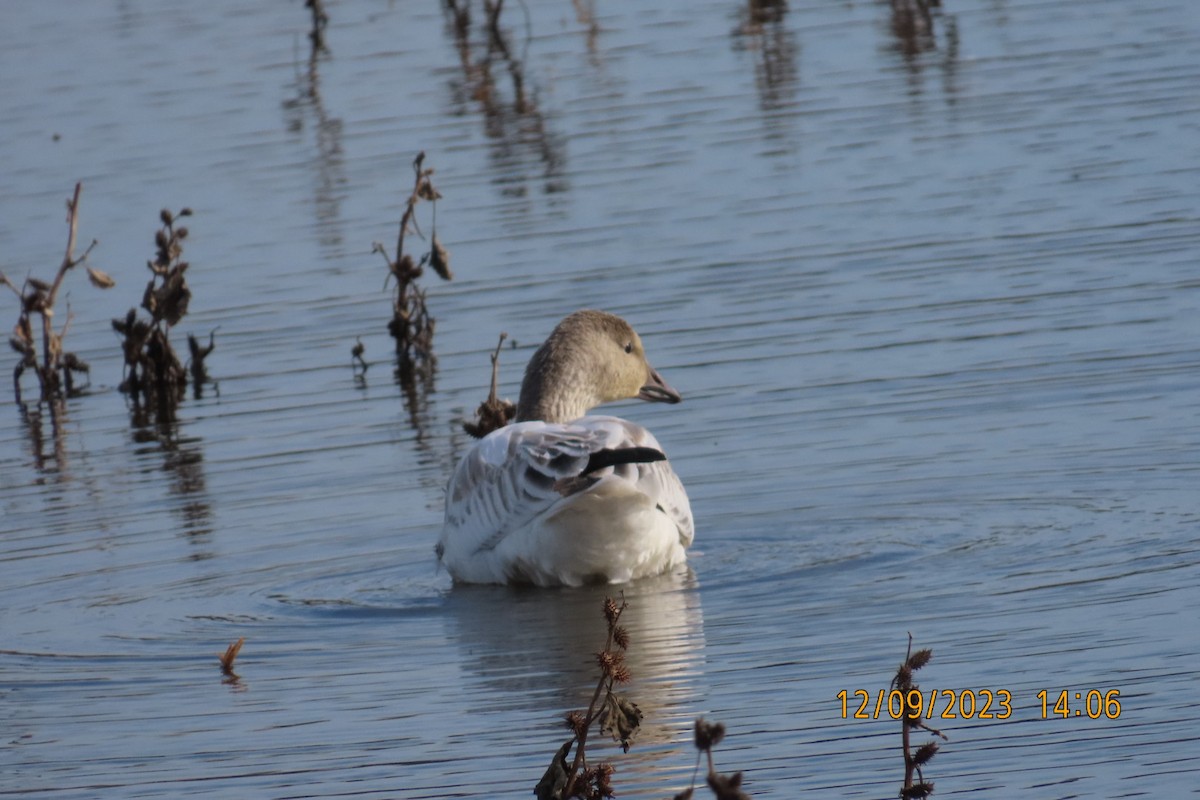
927,281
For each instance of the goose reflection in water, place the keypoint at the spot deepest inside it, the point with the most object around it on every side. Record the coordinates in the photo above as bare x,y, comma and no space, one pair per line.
534,650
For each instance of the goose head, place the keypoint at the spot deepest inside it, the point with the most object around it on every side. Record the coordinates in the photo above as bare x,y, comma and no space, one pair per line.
590,358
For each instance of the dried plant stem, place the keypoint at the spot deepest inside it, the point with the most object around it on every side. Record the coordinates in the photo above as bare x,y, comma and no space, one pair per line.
411,326
411,205
622,719
68,257
154,375
603,688
903,681
493,393
492,413
581,738
51,344
38,297
905,738
405,277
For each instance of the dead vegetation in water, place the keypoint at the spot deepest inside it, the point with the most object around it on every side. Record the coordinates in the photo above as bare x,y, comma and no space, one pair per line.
915,785
616,715
493,413
411,325
356,356
706,736
226,660
613,713
154,375
44,354
230,655
198,353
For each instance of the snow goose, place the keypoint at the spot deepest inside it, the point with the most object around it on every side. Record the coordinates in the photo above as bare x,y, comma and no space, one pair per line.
560,498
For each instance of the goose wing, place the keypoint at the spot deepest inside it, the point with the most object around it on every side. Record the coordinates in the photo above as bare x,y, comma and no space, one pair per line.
520,471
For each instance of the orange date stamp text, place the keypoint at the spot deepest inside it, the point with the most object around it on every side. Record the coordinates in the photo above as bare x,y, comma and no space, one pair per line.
985,704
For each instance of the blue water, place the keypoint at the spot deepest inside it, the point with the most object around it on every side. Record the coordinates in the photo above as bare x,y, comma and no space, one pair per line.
932,303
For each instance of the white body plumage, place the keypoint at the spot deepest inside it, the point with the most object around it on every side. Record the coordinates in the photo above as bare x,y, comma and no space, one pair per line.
520,508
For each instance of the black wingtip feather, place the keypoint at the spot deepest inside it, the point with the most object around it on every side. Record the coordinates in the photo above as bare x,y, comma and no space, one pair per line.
623,455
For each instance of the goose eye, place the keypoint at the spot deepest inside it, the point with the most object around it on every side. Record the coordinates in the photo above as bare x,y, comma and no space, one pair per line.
629,347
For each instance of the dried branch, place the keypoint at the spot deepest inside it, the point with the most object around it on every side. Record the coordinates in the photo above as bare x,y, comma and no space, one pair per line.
37,298
910,718
154,374
492,413
614,713
411,325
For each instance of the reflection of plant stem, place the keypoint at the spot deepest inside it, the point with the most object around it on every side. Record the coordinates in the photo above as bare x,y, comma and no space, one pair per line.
37,439
493,12
585,12
320,20
514,124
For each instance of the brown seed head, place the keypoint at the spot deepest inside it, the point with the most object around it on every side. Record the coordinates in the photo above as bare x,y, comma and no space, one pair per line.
917,790
621,637
576,722
708,734
600,778
425,190
924,753
611,611
919,658
608,661
727,787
